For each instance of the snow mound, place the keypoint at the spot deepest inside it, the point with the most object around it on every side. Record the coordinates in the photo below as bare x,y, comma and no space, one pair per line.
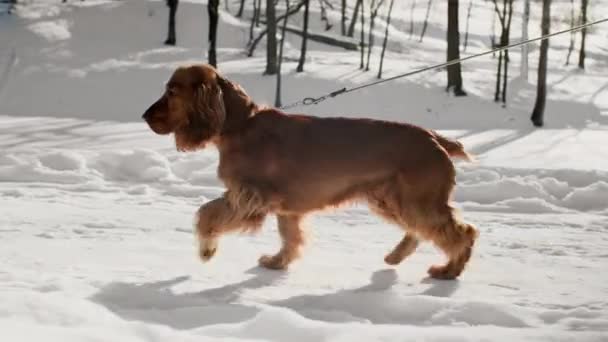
592,197
16,169
56,30
500,190
63,161
134,165
148,171
533,190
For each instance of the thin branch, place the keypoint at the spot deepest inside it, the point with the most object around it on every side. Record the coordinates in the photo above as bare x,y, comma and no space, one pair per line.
254,43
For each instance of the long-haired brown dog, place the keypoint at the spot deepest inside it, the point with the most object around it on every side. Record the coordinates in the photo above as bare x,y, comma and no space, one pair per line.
291,165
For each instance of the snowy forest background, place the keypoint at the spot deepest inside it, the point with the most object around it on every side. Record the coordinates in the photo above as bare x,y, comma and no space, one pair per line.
96,211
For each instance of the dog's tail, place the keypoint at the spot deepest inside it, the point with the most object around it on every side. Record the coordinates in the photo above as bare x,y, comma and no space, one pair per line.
453,147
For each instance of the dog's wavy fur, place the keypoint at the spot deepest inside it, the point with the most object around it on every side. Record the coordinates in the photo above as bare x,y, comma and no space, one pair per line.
291,165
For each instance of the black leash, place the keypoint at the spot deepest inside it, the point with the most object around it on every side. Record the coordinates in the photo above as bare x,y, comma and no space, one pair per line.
314,100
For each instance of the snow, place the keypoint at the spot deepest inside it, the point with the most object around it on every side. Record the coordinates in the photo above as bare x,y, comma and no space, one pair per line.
96,211
52,30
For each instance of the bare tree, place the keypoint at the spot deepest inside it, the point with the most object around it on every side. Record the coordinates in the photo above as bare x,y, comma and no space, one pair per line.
214,16
254,43
412,18
524,36
324,17
362,40
506,54
426,18
453,51
172,4
541,85
388,24
353,22
271,39
302,60
253,19
493,34
343,21
258,15
277,99
241,8
572,34
466,30
504,18
373,13
581,55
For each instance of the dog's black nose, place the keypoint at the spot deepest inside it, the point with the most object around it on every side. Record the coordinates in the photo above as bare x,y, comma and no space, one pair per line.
146,115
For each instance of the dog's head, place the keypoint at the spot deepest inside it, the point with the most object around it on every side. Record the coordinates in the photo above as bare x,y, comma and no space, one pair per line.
191,107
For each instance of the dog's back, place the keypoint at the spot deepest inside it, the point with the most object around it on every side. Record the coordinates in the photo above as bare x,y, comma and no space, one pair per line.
315,162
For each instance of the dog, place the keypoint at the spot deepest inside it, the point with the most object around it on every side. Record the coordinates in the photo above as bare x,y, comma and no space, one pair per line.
291,165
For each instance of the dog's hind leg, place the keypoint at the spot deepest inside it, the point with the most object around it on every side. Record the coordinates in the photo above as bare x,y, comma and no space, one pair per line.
383,203
218,217
456,240
292,238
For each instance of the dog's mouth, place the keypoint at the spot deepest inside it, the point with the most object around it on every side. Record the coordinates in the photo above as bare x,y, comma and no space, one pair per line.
158,127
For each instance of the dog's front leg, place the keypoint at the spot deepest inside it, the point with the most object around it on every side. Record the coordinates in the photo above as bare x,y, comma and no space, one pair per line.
218,217
292,238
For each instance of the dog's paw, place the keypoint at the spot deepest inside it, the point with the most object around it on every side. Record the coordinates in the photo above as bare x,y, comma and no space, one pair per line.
273,262
393,259
443,272
207,249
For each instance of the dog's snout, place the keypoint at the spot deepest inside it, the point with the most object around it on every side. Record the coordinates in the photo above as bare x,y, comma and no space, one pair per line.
152,111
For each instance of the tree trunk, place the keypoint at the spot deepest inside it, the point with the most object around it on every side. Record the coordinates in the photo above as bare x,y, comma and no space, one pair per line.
214,15
254,43
324,18
412,18
505,17
388,23
302,60
373,11
466,30
498,77
239,14
171,39
353,22
581,55
541,84
572,34
258,14
505,78
277,99
426,18
253,19
453,51
362,42
501,17
524,36
271,39
343,21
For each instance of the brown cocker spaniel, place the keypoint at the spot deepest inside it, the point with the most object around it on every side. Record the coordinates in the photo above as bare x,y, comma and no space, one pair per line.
291,165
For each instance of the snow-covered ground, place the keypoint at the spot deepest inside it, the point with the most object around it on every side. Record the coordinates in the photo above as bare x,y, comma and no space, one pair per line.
96,211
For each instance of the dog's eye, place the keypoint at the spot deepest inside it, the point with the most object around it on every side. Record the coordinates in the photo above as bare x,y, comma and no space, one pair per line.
171,92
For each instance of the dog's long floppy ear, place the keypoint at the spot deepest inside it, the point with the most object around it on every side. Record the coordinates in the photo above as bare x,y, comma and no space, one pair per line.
238,105
209,105
206,117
